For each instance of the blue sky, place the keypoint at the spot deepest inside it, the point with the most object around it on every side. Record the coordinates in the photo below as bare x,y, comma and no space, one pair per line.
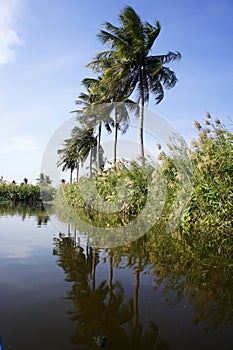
45,45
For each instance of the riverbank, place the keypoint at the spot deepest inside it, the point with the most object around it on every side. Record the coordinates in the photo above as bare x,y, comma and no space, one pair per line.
124,189
24,193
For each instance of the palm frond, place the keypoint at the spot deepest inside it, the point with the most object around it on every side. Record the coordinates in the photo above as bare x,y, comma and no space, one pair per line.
167,77
170,56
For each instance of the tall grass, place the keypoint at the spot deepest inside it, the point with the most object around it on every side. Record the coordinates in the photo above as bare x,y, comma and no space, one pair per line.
210,214
125,185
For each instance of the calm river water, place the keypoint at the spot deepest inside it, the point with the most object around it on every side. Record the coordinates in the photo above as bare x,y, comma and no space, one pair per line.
58,293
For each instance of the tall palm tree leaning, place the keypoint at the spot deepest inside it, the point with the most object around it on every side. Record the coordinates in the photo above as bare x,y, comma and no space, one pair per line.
97,105
68,157
76,149
91,114
127,62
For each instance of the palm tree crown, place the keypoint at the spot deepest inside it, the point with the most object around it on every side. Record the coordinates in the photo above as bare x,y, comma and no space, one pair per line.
128,65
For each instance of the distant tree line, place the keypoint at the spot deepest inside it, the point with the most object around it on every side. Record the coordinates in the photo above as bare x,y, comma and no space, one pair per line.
25,192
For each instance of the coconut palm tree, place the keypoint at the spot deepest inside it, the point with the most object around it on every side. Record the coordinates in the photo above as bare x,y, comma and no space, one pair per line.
68,157
84,141
98,106
77,148
128,65
92,114
43,180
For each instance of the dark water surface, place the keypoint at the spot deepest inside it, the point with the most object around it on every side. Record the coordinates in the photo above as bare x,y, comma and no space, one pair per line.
57,292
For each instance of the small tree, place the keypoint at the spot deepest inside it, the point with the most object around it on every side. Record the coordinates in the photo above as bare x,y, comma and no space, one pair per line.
43,180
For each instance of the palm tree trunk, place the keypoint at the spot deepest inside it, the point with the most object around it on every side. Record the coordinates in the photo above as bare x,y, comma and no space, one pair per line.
71,176
115,135
98,145
91,161
141,115
78,163
68,230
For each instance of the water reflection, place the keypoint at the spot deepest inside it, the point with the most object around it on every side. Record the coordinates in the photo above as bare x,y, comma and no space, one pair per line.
154,293
103,310
24,211
179,275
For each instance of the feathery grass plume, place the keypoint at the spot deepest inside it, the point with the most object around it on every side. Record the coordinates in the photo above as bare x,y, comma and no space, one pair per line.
197,125
217,121
193,144
206,122
202,134
219,131
192,156
210,211
208,115
161,156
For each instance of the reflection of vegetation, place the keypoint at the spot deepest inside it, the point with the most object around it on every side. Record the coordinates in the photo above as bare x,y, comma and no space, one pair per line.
200,273
102,311
203,276
25,211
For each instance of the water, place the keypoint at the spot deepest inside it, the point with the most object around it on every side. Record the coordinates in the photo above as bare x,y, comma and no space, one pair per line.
56,292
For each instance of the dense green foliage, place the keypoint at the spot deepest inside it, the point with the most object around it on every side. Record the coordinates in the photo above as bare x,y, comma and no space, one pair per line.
208,218
210,214
24,193
122,189
212,158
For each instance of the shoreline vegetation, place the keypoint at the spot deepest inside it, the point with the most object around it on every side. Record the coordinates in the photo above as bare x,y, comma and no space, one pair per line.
211,206
26,193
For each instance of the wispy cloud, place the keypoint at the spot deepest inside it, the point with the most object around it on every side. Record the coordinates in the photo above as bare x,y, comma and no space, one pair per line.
9,10
17,144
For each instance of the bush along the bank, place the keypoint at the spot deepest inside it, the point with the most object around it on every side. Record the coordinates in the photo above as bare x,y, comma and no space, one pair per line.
121,189
124,186
210,213
24,193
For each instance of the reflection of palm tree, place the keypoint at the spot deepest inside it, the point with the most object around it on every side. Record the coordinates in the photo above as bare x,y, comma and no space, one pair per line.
97,314
110,284
136,290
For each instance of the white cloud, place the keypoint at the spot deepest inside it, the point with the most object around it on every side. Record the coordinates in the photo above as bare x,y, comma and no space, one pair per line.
9,10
